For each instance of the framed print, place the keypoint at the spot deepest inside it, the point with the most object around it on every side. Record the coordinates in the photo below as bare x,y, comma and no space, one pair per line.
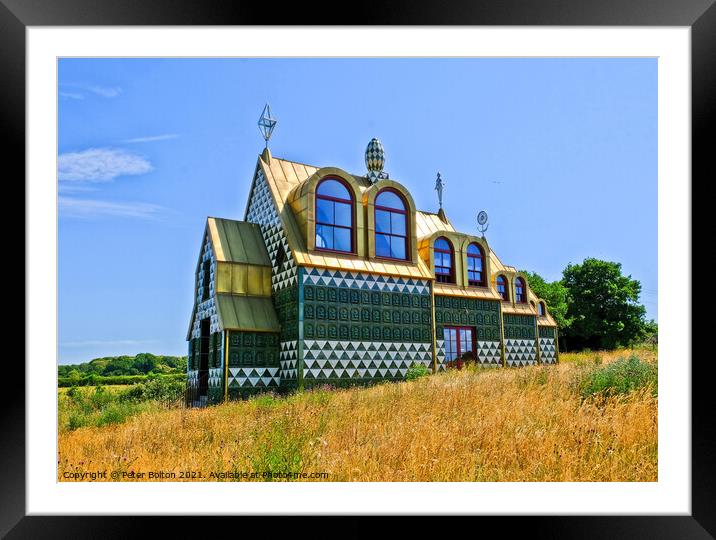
363,260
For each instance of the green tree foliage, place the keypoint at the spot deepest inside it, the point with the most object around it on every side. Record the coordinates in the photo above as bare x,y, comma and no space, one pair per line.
603,305
123,366
554,295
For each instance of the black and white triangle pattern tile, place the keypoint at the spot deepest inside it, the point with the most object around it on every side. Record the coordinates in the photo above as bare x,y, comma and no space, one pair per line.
357,280
207,308
262,210
328,359
256,377
489,352
215,377
520,352
440,353
192,378
288,359
547,349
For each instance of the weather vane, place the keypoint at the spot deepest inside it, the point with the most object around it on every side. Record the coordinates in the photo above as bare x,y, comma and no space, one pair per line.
439,184
266,124
482,223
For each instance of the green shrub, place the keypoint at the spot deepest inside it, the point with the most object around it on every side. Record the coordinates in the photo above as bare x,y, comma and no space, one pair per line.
116,413
280,447
265,401
159,389
64,382
416,370
620,377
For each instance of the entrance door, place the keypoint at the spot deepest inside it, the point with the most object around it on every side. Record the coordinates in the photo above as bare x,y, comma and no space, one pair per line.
204,360
459,345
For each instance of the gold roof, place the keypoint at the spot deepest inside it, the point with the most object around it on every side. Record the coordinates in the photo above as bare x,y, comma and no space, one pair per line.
428,223
237,242
284,178
482,293
248,313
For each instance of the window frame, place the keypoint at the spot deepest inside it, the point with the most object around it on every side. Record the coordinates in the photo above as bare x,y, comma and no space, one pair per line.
405,213
506,294
481,257
351,202
460,350
451,252
521,298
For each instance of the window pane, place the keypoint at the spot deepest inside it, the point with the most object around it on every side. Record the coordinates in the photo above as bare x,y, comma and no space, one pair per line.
389,200
382,221
333,188
397,247
398,223
441,243
342,239
343,214
324,237
324,211
382,245
472,249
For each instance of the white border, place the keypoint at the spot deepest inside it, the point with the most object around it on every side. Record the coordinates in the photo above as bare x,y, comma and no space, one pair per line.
670,495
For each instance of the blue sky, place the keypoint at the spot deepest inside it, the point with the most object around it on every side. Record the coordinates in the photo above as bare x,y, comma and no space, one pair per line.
562,154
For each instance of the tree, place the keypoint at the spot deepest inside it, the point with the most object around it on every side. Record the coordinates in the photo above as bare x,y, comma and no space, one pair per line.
554,295
603,305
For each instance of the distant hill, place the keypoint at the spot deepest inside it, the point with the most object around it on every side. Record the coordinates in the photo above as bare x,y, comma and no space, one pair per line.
114,366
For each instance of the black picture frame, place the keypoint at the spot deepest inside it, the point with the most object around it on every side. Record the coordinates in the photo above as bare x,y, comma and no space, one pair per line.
699,15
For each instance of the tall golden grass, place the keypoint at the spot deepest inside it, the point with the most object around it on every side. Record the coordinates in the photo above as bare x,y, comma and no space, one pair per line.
525,424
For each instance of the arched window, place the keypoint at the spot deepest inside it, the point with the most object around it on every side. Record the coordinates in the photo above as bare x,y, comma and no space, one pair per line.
334,216
501,283
475,265
520,291
444,261
541,309
391,226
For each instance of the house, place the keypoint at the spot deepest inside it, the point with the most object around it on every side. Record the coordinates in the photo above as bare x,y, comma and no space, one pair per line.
336,278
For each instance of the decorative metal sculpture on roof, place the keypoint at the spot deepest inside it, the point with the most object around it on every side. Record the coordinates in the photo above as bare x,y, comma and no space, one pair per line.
482,223
266,124
374,160
439,185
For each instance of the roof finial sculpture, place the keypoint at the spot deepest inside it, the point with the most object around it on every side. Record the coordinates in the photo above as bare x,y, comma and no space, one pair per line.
482,223
439,185
266,124
374,160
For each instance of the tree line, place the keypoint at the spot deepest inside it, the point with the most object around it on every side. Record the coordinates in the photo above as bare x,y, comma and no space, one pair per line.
121,369
595,306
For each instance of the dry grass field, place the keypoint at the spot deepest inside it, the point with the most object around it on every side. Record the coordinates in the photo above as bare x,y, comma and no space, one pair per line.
527,424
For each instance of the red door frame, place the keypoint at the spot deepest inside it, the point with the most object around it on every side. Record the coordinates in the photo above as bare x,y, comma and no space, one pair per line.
458,342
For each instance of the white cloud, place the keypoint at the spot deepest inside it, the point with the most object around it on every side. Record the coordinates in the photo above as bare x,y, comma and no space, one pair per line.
72,95
104,91
152,138
100,165
89,208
